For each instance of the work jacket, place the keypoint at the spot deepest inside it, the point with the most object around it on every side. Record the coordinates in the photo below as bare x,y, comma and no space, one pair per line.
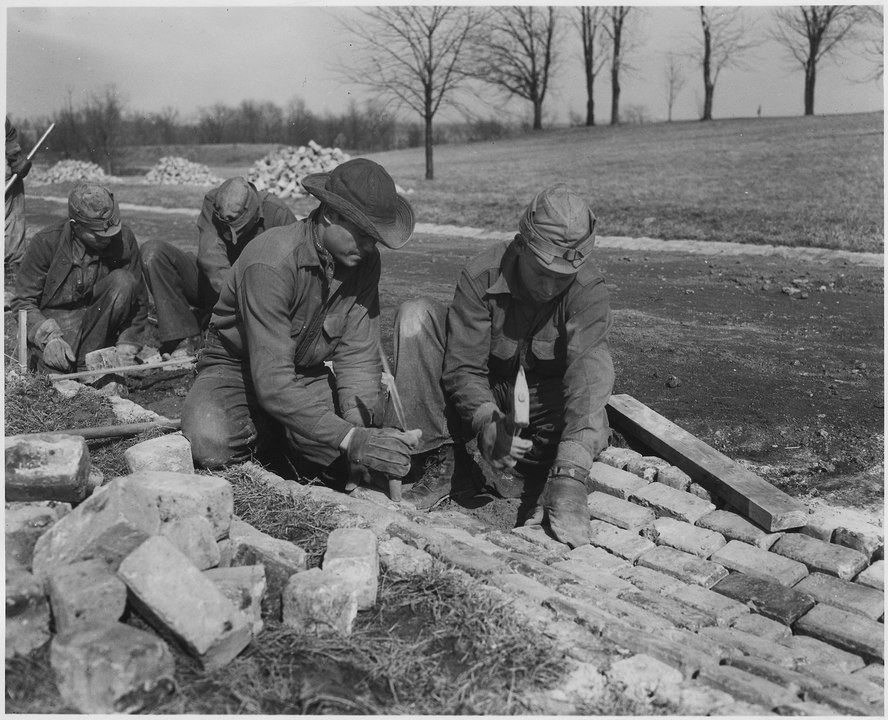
280,315
491,330
215,255
49,279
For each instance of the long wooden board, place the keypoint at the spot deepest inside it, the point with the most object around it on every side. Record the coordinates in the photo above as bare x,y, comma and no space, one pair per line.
761,502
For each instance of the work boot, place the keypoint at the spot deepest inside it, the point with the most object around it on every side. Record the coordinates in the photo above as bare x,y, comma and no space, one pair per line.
563,504
180,349
436,480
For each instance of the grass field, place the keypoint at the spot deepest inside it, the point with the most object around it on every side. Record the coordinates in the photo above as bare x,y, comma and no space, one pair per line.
787,181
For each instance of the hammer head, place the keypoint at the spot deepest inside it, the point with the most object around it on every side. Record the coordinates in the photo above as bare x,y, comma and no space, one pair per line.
521,401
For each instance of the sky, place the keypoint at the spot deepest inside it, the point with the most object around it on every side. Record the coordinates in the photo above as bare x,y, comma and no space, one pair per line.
165,56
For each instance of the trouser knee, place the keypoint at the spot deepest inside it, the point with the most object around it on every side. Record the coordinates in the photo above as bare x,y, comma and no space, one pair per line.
120,287
154,254
417,316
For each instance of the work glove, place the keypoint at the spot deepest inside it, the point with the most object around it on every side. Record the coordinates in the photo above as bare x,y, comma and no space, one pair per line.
498,444
384,449
21,167
563,503
126,353
57,354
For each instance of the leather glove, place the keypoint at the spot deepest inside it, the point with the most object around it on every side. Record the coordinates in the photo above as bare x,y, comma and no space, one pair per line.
563,503
21,167
498,444
384,449
126,353
57,354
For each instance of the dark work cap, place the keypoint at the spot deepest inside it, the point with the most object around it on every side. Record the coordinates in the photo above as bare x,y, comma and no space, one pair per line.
94,208
559,228
236,204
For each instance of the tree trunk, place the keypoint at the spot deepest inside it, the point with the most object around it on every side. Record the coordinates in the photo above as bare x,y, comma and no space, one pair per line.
615,97
810,78
429,149
708,85
537,115
708,92
590,109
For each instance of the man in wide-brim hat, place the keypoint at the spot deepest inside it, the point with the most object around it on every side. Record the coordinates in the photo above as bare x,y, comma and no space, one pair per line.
186,287
298,297
535,302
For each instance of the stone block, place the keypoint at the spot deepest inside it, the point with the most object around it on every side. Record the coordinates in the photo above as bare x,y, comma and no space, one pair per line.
27,612
170,453
684,536
807,650
597,558
85,593
178,599
352,552
740,557
399,558
536,535
868,690
320,602
195,537
584,579
617,457
697,490
626,544
762,627
597,612
666,501
25,523
613,481
622,513
514,542
873,576
678,479
47,466
112,668
766,597
179,495
102,359
643,676
846,701
517,585
108,525
867,541
67,388
244,587
874,672
684,566
647,467
845,630
651,580
677,612
735,527
721,610
746,686
794,681
844,595
751,645
683,650
818,555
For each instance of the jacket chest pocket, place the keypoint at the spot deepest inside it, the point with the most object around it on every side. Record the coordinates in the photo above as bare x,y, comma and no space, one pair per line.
334,327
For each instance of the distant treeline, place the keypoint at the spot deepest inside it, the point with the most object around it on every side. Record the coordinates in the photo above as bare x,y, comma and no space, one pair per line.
99,128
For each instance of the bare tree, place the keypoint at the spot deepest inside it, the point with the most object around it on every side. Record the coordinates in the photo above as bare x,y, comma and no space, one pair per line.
675,79
102,126
416,56
615,27
518,53
874,44
812,32
594,52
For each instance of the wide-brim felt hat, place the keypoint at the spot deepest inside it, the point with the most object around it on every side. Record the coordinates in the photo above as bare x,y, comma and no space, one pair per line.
364,193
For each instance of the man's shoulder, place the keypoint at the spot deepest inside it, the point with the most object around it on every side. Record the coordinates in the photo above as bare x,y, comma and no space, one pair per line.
276,244
272,203
589,275
487,260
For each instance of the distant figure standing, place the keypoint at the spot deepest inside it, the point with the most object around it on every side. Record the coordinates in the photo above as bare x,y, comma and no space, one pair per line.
17,163
232,215
759,112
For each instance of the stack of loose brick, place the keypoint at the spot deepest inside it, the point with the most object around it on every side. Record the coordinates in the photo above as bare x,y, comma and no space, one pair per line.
281,171
68,171
172,170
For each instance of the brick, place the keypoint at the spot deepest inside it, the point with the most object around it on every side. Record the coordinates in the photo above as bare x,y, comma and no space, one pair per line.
697,490
25,523
751,645
516,543
845,630
721,610
678,613
516,584
85,593
617,457
811,651
740,557
685,537
352,552
597,558
244,587
599,611
652,580
846,701
643,676
182,495
873,576
536,535
766,597
107,525
171,453
582,684
862,686
735,527
693,698
762,627
320,602
174,596
102,358
626,544
112,668
869,542
678,479
584,582
818,555
463,556
746,686
777,674
677,648
844,595
449,519
399,558
27,613
195,537
646,467
622,513
684,566
613,481
874,672
805,708
47,466
669,502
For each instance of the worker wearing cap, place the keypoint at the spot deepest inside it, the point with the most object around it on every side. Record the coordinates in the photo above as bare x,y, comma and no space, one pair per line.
539,303
231,216
81,284
17,163
297,297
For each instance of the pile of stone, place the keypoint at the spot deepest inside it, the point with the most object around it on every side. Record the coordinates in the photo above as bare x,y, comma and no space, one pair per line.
161,543
172,170
281,171
68,171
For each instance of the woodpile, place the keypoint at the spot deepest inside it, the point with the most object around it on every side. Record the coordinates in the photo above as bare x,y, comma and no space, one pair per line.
68,171
179,171
281,171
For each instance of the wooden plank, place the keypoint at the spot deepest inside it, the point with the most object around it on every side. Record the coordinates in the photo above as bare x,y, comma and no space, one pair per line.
761,502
